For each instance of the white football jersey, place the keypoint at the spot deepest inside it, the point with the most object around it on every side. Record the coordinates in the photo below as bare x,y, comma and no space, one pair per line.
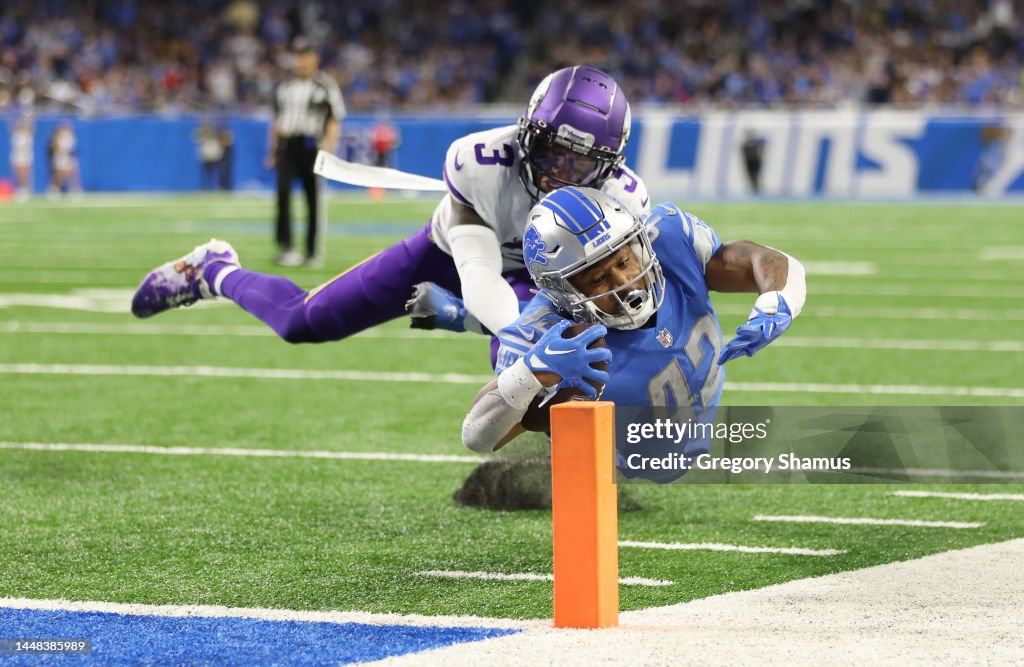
482,171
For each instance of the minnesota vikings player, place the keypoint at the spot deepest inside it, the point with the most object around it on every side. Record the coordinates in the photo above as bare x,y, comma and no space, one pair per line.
574,132
645,282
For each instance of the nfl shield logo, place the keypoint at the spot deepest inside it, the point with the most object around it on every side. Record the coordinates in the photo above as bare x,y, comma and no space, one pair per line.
665,338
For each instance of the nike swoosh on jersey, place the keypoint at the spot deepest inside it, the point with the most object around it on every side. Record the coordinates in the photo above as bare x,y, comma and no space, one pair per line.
458,167
526,333
548,350
644,201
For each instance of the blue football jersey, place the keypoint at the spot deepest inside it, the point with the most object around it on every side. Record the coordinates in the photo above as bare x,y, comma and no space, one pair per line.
672,362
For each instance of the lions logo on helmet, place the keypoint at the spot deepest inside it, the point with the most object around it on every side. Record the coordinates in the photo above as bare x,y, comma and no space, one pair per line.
534,247
574,132
572,230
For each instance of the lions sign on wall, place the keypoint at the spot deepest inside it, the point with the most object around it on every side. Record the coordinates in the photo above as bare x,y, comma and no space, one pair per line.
831,154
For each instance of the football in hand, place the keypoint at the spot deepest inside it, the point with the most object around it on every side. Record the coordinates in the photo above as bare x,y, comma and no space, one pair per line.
537,417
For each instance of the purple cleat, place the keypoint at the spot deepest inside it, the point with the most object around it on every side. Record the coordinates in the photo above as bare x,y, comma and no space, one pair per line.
181,282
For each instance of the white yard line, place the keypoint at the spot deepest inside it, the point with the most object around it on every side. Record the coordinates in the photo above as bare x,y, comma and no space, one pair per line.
230,451
140,329
874,389
864,521
929,290
231,202
996,254
48,277
827,268
257,373
706,546
75,277
901,344
893,313
529,576
145,329
445,458
459,378
960,496
97,300
118,301
216,611
938,472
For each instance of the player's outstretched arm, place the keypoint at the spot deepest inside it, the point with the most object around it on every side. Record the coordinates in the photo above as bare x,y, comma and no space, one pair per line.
744,266
477,255
552,363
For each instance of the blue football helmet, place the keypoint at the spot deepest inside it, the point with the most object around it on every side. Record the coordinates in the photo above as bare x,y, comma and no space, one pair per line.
573,229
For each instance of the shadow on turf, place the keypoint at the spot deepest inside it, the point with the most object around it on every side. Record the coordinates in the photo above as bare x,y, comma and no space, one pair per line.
517,484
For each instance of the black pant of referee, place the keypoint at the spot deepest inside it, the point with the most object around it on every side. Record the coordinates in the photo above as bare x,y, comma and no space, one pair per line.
295,157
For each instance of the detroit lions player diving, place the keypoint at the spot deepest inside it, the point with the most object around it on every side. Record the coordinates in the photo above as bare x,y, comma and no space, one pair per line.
646,282
574,132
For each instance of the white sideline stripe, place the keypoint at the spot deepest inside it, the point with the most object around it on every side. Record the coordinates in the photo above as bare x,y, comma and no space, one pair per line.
229,203
228,451
119,301
133,329
876,389
217,611
459,378
445,458
92,300
424,458
960,496
894,313
862,521
826,268
709,546
529,576
259,373
902,344
75,277
930,291
995,254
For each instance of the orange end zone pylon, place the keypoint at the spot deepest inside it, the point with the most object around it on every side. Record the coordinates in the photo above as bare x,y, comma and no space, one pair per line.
584,512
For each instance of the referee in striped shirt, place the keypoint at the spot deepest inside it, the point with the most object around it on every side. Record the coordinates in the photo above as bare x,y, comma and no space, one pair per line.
308,109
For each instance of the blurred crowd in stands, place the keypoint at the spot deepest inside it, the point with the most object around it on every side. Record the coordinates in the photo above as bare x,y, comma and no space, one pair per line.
126,56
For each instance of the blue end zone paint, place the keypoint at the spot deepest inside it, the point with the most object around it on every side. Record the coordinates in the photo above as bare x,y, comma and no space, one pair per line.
148,640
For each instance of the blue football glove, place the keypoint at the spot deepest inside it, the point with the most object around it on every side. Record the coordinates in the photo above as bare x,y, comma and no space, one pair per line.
434,307
759,330
569,358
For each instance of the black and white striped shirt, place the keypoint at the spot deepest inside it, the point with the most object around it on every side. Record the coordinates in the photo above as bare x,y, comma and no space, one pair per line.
303,106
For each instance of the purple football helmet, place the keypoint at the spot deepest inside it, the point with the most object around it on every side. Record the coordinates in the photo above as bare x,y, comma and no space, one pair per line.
574,131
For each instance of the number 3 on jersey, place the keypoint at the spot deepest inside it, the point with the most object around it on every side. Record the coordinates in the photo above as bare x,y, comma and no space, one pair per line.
505,157
671,387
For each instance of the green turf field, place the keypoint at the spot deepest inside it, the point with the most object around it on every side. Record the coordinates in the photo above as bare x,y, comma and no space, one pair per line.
908,305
